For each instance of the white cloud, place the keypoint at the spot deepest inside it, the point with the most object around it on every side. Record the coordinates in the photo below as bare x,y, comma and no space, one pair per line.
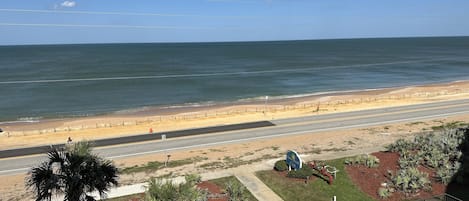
68,4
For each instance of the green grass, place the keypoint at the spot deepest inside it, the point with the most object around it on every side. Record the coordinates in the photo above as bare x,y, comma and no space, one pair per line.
212,165
155,165
313,151
335,149
229,162
221,182
291,190
450,125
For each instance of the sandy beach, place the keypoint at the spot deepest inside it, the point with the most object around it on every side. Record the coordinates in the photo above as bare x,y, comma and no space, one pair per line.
55,131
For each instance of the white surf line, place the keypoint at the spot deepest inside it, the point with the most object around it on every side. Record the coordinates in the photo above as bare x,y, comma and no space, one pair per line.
114,26
213,74
3,172
287,134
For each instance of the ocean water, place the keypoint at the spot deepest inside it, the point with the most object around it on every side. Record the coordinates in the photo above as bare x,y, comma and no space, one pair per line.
51,81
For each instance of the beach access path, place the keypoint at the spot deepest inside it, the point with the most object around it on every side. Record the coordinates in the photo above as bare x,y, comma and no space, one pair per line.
283,127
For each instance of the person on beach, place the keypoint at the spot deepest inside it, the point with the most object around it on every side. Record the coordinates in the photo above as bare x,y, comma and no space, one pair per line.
69,140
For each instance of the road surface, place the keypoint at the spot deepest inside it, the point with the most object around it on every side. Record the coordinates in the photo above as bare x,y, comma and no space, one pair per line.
283,127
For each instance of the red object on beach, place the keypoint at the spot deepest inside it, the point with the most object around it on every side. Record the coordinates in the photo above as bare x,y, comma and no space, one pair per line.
151,130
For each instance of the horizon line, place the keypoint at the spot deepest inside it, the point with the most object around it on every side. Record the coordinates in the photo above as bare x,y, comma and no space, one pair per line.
238,41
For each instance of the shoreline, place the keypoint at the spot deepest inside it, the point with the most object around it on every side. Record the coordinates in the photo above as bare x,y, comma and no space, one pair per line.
50,131
148,111
207,105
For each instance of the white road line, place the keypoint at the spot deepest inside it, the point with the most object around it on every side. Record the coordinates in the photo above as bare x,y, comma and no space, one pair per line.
286,134
13,171
5,172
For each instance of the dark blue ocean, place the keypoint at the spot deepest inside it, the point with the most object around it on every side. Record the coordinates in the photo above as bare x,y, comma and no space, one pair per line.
53,81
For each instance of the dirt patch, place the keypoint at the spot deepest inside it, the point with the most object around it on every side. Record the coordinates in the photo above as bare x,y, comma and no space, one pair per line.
376,176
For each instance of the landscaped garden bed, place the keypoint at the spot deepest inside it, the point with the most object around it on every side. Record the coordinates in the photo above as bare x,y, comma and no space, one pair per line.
430,165
369,180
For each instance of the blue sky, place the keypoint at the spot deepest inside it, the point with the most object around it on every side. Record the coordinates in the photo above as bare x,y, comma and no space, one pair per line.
113,21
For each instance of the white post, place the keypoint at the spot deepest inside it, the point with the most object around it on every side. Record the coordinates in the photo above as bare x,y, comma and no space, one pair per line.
265,103
334,198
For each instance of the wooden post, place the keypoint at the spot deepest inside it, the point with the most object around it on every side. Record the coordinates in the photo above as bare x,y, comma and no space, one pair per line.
167,160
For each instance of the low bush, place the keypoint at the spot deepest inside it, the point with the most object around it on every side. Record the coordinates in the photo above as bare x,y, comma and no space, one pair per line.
408,160
384,193
303,173
281,165
401,145
411,180
365,159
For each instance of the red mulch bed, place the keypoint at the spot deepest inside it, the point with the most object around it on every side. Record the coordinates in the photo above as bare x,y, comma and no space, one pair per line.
369,179
214,191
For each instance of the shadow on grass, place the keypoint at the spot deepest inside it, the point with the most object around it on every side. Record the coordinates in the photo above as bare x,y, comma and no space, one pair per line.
459,185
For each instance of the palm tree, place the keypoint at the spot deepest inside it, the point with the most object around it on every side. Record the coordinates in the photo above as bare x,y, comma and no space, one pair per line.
73,173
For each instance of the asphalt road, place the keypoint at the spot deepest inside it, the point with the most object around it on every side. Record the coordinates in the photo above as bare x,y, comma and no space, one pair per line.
283,127
138,138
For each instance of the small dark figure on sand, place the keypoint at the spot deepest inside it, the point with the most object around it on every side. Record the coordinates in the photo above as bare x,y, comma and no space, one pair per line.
69,140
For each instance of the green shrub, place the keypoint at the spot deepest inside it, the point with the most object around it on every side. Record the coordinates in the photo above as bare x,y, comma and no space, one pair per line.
447,171
384,193
400,145
303,173
158,190
365,159
408,160
236,191
411,180
193,178
281,165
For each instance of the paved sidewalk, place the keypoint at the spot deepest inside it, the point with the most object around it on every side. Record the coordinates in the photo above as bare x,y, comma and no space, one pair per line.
256,186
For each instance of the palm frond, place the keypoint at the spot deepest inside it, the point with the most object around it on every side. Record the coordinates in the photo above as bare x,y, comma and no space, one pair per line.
43,181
